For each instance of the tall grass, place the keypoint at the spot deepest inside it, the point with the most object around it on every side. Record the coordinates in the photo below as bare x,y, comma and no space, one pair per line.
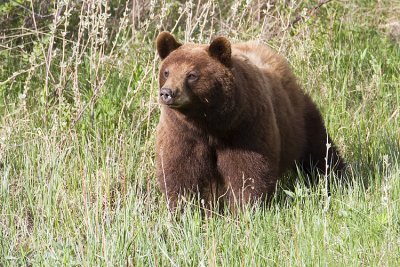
78,114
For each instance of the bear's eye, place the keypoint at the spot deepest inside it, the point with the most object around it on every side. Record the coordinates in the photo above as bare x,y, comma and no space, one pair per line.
192,76
166,73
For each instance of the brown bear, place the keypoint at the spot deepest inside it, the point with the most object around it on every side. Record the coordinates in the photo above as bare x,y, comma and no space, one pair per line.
233,120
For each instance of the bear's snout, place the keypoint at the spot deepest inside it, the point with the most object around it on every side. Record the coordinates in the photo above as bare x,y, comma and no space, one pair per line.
167,96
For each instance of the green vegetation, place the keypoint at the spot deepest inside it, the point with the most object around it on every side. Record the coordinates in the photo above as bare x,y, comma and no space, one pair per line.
78,110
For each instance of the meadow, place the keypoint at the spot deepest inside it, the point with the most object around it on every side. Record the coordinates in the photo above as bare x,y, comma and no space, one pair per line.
78,112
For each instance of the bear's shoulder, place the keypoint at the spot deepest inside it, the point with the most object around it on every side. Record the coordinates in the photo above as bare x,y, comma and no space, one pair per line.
263,57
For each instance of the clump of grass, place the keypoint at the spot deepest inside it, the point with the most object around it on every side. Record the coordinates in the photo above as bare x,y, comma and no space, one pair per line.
78,115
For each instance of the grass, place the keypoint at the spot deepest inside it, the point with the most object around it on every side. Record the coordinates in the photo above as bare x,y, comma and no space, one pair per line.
78,113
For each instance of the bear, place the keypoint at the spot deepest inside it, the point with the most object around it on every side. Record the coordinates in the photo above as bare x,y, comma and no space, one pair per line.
233,120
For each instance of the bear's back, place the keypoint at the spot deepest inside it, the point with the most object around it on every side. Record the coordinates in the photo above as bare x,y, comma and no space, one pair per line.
288,99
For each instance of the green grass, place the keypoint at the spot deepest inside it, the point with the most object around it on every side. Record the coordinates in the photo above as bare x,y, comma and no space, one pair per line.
77,179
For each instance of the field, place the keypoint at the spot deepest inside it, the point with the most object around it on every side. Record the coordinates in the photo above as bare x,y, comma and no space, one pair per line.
78,111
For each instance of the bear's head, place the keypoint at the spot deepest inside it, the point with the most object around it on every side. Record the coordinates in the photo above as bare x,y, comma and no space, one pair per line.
196,79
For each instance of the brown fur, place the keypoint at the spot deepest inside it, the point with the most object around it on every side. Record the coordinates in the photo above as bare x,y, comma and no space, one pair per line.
233,120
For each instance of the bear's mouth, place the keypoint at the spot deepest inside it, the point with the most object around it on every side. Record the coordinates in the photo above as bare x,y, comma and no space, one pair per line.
173,105
177,106
176,103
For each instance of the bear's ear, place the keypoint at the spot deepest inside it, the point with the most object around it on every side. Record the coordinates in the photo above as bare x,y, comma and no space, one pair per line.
166,43
220,48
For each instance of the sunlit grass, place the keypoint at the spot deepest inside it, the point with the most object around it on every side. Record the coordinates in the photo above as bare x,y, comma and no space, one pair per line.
77,125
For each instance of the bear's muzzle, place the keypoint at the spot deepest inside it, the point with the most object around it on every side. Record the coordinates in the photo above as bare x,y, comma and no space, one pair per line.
167,96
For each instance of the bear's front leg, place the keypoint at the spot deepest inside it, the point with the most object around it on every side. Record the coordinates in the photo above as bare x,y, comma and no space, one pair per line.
248,176
184,168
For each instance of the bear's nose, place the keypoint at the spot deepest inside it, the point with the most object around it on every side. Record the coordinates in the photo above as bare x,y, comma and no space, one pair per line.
166,95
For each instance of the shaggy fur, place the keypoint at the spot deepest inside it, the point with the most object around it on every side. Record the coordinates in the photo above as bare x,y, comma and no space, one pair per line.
233,120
